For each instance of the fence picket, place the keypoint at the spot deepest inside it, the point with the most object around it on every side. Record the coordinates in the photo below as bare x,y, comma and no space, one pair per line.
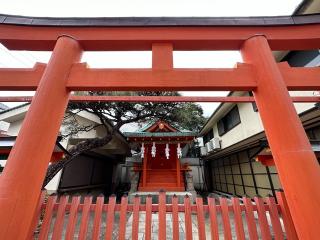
58,226
97,218
135,217
148,217
175,218
162,215
72,217
263,223
110,217
213,218
47,218
275,219
238,218
200,219
225,218
85,217
252,227
123,218
187,218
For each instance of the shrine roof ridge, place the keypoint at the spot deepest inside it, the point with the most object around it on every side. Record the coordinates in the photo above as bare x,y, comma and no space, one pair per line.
160,134
158,21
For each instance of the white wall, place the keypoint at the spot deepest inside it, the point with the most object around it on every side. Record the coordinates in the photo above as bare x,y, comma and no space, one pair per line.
4,126
53,185
14,128
250,125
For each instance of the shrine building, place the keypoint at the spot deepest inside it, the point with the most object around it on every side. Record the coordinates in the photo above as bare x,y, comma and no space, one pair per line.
161,149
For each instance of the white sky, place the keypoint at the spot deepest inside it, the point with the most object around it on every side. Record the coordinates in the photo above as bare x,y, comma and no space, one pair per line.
140,8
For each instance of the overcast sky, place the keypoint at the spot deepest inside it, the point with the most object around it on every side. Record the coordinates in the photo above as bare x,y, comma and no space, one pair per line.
139,8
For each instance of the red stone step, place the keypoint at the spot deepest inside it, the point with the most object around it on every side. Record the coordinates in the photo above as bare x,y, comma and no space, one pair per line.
157,189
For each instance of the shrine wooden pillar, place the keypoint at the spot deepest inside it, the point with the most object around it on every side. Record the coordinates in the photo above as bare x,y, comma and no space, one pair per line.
296,163
178,171
21,181
144,170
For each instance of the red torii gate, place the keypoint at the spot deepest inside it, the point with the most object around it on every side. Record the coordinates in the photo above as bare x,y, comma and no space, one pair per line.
297,166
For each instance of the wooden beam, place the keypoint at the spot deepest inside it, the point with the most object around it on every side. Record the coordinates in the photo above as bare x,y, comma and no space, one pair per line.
13,79
300,78
228,37
82,78
234,79
230,99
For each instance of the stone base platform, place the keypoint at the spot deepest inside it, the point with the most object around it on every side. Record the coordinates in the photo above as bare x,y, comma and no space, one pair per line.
155,196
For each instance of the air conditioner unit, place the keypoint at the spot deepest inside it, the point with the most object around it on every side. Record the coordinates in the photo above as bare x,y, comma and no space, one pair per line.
203,151
215,143
209,146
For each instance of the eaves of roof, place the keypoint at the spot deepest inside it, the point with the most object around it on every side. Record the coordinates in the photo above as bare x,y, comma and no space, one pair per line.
160,134
158,21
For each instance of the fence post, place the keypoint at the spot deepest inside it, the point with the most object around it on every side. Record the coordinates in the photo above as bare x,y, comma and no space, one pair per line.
162,215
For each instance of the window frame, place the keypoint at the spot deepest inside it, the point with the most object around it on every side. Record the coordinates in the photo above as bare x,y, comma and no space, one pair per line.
223,121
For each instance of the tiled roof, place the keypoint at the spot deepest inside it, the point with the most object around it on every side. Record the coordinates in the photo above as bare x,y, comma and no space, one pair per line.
160,134
159,21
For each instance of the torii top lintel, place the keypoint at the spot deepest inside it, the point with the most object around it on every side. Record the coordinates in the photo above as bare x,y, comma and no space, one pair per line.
97,34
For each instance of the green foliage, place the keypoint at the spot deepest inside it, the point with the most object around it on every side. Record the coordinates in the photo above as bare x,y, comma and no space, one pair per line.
183,115
189,116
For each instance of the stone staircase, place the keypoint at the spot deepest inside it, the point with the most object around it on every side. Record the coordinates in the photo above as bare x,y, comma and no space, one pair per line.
162,179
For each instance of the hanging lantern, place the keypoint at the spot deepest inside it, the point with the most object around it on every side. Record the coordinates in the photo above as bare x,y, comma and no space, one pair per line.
153,149
142,150
179,152
167,151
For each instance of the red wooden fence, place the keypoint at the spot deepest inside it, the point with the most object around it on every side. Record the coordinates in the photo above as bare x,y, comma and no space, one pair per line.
240,218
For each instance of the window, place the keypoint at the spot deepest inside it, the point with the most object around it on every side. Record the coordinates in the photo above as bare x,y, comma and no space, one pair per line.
229,121
208,136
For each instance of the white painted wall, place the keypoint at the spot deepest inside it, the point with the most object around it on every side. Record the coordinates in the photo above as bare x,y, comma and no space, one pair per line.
4,126
52,186
251,123
14,127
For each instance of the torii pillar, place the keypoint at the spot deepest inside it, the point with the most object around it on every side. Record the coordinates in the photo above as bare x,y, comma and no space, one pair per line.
21,181
296,163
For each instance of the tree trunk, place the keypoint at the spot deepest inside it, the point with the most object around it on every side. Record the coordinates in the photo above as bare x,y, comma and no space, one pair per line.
75,151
